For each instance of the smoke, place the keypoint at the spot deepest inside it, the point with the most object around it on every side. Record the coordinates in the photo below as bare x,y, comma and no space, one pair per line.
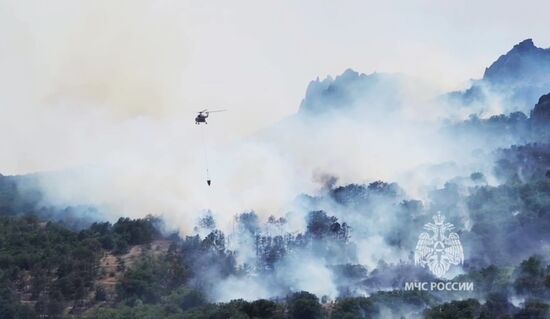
79,75
126,57
97,95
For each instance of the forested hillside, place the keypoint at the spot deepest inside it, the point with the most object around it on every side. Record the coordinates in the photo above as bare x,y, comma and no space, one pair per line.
50,271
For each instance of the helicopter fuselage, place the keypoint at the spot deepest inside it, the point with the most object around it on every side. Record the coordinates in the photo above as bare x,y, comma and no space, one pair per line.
201,118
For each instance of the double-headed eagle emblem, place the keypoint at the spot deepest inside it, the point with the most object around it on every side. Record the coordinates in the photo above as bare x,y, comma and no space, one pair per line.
439,251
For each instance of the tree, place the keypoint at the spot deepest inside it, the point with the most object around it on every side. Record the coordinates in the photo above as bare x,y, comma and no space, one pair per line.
303,305
534,309
531,277
463,309
353,308
496,307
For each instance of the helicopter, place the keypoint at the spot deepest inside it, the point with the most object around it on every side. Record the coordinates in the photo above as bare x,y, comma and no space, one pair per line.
203,115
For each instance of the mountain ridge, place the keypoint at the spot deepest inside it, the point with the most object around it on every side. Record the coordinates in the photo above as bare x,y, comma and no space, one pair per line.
516,80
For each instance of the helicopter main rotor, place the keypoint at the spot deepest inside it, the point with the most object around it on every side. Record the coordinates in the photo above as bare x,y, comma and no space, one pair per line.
207,111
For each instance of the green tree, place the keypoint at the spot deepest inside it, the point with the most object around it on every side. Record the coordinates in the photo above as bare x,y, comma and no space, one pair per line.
304,305
463,309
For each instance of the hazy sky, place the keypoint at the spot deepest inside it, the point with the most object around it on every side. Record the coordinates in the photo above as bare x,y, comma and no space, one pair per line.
167,58
261,54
